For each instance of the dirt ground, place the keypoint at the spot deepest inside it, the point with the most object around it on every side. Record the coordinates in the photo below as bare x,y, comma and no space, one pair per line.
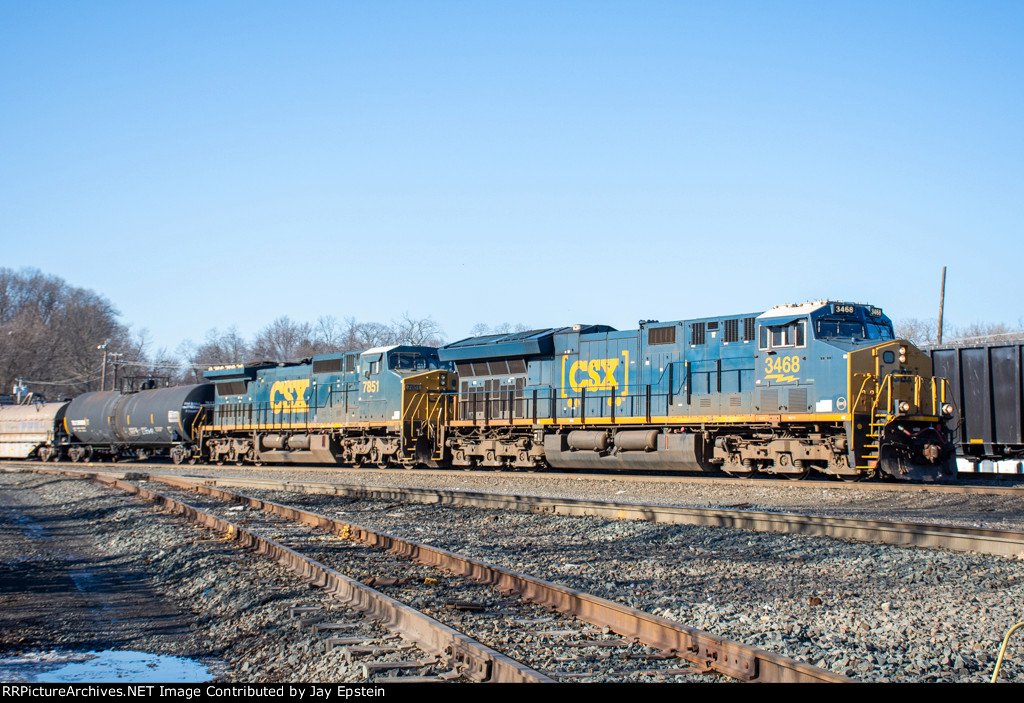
60,586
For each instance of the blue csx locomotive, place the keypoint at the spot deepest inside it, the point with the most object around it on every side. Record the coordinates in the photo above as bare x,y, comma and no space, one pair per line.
813,387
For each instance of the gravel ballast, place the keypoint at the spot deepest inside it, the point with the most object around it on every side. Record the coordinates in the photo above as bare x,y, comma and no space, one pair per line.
871,612
65,544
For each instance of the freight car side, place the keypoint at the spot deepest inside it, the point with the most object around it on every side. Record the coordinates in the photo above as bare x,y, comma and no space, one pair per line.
112,425
988,386
32,430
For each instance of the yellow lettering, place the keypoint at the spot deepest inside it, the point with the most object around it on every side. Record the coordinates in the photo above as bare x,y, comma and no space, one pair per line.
781,368
289,396
595,374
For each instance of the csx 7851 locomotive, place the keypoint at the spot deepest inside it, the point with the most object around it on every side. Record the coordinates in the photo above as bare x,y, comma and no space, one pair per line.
812,387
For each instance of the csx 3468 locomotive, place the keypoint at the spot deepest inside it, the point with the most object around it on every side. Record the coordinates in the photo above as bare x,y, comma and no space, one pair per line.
813,387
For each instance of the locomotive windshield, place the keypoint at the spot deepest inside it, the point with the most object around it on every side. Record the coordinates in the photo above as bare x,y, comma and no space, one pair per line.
836,328
411,362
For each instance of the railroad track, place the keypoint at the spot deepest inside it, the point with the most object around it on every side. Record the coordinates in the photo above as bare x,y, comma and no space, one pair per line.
969,483
901,533
905,533
450,605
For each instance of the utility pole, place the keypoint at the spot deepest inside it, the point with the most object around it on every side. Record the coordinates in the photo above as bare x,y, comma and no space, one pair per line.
942,302
103,369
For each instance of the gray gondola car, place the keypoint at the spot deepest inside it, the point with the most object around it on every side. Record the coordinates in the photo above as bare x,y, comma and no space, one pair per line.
988,388
31,430
146,423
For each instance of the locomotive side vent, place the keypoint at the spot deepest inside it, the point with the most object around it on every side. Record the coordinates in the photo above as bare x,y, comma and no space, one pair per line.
327,366
697,333
749,332
231,388
769,401
661,335
732,331
797,400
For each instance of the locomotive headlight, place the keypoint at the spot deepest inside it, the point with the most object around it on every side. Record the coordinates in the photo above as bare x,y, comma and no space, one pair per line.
947,409
903,358
903,351
904,406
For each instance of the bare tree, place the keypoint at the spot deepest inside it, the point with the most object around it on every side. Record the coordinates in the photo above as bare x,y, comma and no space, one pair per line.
49,332
218,349
423,332
919,332
924,333
480,329
284,340
987,333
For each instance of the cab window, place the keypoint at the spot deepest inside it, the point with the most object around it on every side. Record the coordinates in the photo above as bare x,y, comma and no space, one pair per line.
410,361
832,328
790,334
879,331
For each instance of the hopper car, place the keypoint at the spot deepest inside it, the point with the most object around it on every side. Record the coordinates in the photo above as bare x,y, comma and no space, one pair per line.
987,383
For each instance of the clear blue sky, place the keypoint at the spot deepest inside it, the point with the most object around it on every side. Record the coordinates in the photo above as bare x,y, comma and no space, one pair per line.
208,164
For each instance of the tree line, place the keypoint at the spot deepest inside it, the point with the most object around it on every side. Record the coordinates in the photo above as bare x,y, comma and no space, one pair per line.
285,339
51,333
59,341
925,333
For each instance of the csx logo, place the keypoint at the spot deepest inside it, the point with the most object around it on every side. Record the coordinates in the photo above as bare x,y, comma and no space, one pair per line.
289,396
595,375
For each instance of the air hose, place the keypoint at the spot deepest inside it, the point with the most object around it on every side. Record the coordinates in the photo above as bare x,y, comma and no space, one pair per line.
1002,650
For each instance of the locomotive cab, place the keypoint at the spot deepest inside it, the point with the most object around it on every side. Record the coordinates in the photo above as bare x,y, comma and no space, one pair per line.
849,363
840,363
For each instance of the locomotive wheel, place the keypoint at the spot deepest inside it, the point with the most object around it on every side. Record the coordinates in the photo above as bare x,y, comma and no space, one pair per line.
738,470
742,472
803,471
378,459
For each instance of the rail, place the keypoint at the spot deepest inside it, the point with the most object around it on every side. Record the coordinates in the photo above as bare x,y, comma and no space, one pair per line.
709,652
